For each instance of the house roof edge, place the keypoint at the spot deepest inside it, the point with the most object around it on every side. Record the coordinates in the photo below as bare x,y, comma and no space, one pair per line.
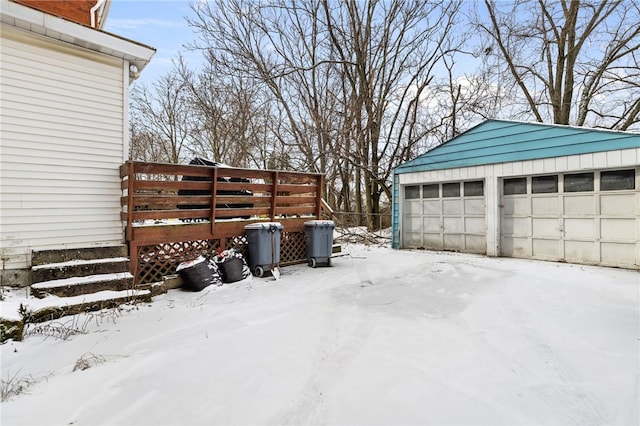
63,30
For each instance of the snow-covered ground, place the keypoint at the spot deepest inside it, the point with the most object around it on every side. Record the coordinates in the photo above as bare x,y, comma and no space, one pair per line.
382,337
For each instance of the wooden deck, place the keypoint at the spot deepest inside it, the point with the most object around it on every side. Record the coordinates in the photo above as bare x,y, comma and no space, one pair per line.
177,212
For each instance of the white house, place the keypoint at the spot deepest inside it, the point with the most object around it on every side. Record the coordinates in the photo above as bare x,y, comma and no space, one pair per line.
63,131
526,190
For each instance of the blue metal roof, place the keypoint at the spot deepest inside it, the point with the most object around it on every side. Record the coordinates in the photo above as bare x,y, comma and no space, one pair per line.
501,141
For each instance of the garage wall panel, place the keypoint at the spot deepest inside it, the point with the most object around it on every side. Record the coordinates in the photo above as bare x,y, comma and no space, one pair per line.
600,160
431,224
546,227
453,225
517,247
618,253
579,205
581,251
517,206
452,207
413,223
507,169
617,204
546,249
431,207
433,241
618,229
474,207
541,205
549,165
579,228
517,226
573,163
560,164
413,239
614,159
475,244
475,225
586,161
454,242
413,208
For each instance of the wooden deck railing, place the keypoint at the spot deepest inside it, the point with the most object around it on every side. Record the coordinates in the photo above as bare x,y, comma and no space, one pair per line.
169,203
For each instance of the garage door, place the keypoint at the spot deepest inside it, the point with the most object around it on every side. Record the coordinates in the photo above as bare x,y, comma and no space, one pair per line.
445,216
588,217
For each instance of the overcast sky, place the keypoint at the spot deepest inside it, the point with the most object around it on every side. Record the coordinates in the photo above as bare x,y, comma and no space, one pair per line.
156,23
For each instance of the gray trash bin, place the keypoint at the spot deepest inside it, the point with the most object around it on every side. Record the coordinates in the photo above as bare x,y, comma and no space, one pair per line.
319,241
263,242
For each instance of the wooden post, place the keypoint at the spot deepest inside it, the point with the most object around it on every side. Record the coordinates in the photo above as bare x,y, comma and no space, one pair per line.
274,193
131,171
214,190
319,198
133,249
133,261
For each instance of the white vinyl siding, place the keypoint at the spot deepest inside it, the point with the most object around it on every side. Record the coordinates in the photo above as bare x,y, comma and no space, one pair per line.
62,125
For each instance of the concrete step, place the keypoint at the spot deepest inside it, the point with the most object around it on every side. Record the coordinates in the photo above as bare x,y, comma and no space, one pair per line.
75,286
42,257
17,312
54,307
70,282
78,268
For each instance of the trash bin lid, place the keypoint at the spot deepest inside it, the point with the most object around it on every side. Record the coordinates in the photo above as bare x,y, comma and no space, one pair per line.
263,225
320,223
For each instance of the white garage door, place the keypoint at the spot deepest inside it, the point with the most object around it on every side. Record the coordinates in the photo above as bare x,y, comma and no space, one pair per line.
587,217
445,216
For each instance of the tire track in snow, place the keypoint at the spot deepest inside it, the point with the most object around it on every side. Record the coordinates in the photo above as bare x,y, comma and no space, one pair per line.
566,395
340,342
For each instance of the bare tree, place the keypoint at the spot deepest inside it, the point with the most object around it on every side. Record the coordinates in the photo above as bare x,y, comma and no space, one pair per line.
229,115
570,61
283,45
143,146
348,77
389,52
458,102
161,120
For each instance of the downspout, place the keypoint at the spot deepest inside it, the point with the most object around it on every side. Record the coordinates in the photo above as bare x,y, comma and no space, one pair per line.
94,10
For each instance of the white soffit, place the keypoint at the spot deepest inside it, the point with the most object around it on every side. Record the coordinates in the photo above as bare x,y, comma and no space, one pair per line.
55,28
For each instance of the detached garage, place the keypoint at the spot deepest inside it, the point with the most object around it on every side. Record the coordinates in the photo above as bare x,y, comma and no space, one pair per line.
526,190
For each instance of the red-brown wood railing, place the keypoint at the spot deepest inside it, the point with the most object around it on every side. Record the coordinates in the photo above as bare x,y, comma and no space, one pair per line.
164,203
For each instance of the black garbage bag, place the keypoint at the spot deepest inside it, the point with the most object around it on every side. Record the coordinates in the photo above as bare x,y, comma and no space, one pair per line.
199,273
231,269
232,265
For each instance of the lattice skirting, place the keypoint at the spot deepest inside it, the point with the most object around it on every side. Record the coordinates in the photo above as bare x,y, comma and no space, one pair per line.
293,248
158,260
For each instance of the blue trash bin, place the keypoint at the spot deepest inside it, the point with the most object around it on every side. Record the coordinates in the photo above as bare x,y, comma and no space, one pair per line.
263,243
